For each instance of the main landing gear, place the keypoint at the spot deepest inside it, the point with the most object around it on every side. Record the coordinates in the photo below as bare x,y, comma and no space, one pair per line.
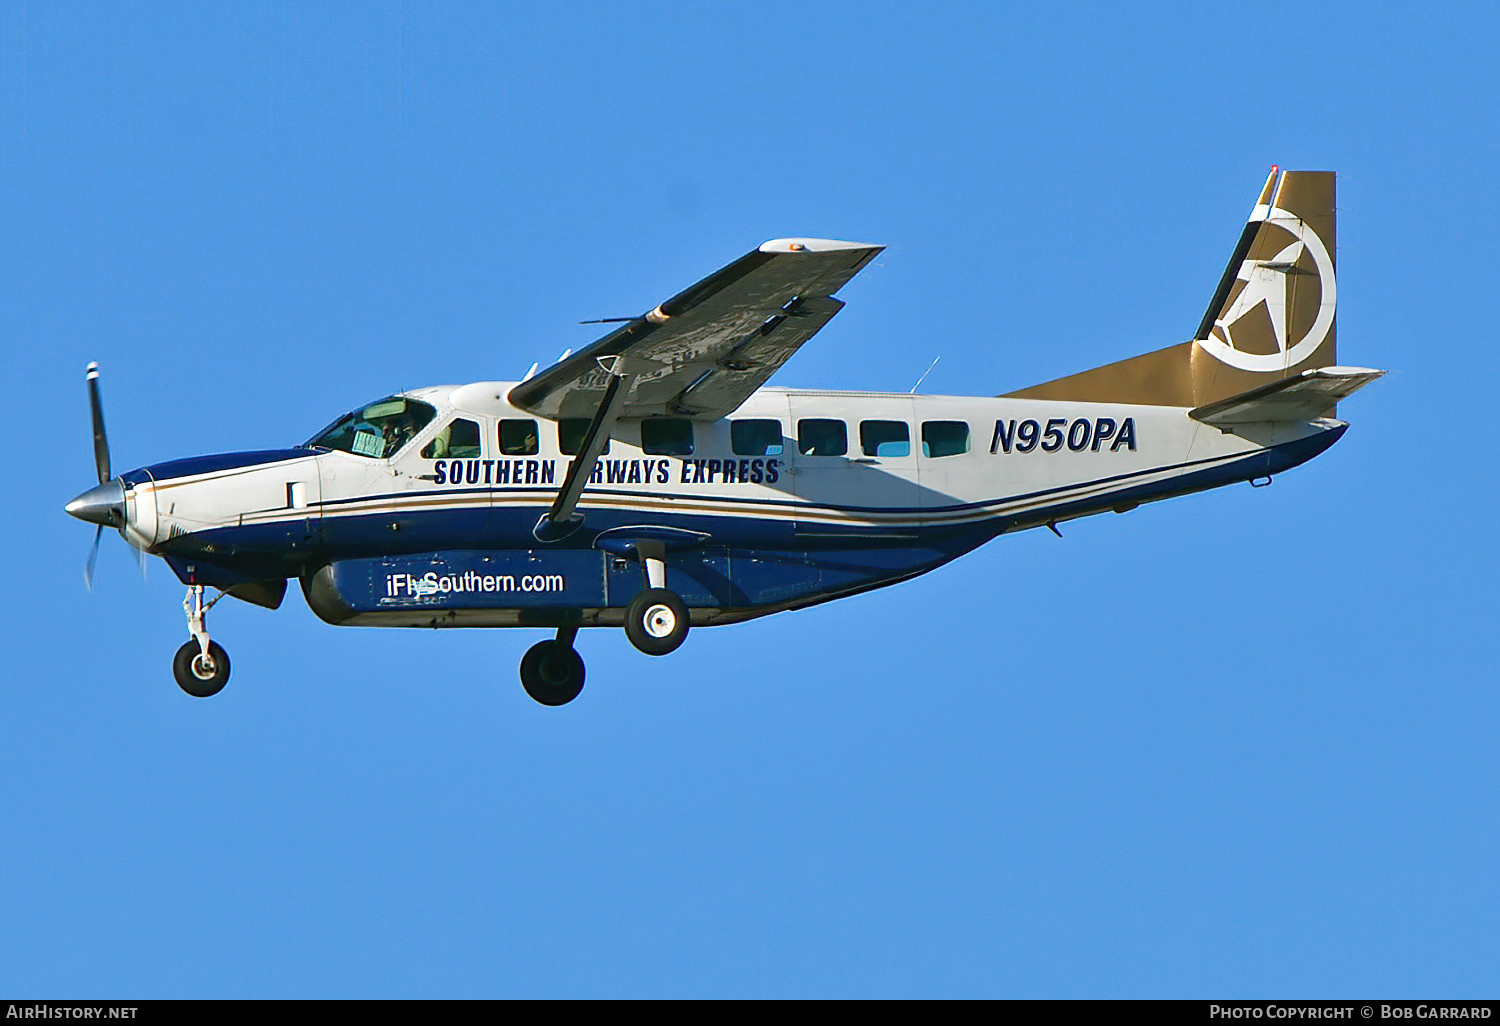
656,622
552,671
201,666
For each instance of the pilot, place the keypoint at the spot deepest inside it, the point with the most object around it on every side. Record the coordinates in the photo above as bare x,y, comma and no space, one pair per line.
398,431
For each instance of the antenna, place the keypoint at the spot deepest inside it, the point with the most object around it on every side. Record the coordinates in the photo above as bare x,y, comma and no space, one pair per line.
923,377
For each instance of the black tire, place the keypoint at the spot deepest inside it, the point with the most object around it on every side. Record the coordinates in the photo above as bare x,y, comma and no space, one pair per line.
656,621
196,678
552,673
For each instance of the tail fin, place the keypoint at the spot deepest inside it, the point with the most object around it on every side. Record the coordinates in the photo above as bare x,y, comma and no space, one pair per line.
1271,318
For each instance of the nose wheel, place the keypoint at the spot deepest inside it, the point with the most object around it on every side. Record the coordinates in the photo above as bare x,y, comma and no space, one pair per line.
201,674
201,666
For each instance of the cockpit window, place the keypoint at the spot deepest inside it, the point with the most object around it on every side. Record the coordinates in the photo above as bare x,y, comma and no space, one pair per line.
377,430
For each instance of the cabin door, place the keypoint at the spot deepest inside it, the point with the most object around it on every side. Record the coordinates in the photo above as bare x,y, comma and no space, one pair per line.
853,461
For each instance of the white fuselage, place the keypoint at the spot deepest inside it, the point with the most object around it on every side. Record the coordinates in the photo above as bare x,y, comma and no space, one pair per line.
1024,459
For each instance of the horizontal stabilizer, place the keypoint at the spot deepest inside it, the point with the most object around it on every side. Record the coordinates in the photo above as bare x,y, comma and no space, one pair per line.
1310,394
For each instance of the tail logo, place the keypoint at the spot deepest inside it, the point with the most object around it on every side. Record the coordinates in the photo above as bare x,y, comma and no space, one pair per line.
1275,284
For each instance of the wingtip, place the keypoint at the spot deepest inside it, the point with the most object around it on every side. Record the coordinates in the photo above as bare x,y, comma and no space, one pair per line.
799,245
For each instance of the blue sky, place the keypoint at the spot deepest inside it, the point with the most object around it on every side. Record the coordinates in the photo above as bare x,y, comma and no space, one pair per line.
1239,744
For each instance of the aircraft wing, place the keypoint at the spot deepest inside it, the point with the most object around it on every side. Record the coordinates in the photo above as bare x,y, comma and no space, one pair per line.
703,352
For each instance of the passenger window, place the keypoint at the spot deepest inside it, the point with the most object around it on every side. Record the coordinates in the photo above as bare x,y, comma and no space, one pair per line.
885,438
662,436
458,440
944,438
817,437
755,437
570,434
518,437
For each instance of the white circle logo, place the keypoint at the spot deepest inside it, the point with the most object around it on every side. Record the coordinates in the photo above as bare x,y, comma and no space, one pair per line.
1268,283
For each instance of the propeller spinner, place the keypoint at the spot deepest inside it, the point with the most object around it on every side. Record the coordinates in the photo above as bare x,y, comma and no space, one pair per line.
104,504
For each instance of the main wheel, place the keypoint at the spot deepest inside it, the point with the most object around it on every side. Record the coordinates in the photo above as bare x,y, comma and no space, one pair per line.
656,621
552,673
200,677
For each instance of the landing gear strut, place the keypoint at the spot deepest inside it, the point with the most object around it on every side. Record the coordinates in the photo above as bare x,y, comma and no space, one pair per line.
552,671
656,621
201,666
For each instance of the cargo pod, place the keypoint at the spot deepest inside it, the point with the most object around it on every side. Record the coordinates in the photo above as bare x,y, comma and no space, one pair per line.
459,588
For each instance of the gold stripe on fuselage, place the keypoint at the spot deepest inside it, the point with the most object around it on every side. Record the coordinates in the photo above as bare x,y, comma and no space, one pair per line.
718,506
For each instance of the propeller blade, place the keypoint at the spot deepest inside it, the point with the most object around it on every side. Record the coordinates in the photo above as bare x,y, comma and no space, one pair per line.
101,443
88,571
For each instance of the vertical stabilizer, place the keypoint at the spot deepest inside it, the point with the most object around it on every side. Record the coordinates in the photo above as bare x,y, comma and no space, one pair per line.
1271,317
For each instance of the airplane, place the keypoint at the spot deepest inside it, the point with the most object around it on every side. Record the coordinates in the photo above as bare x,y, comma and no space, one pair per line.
654,481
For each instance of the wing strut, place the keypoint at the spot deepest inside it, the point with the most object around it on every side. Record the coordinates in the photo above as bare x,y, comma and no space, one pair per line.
561,521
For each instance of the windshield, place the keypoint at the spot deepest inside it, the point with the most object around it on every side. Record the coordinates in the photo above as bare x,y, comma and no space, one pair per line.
379,429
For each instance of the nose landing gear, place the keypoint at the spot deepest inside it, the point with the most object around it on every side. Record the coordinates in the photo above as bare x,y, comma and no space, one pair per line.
201,666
